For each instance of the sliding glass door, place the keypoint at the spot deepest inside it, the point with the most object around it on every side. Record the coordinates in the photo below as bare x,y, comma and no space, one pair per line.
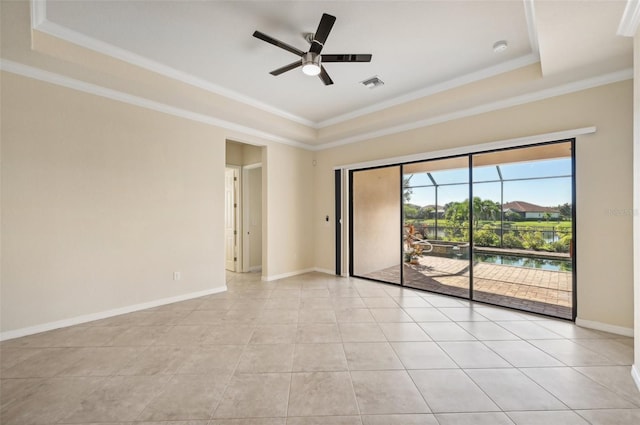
496,227
436,225
523,229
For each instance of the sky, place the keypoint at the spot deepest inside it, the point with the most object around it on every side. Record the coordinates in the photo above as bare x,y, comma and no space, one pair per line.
546,193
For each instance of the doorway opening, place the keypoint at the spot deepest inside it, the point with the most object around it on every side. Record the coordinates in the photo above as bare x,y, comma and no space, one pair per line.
243,207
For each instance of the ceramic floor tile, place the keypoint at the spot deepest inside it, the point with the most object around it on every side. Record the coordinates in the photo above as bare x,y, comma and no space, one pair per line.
565,417
43,363
496,313
423,419
243,421
158,361
510,389
317,333
382,315
570,353
101,361
451,391
278,316
446,331
255,395
408,302
138,336
443,301
184,335
462,314
616,378
122,398
611,417
229,334
528,330
361,332
274,334
266,358
212,359
321,393
317,316
325,420
429,314
492,418
319,357
354,315
473,354
403,332
387,392
203,317
371,356
315,303
613,350
522,354
50,401
422,355
380,302
576,390
186,397
487,331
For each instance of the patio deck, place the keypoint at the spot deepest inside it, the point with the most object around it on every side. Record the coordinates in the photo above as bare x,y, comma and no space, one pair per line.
539,291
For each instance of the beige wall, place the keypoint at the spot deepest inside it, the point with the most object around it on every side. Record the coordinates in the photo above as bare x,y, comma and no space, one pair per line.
255,216
289,199
604,182
103,201
376,220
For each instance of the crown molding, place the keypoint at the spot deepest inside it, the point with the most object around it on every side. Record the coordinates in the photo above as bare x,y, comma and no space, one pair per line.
614,77
630,19
60,80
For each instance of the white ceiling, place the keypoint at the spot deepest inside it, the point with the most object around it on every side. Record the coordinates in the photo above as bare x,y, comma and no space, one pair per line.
418,47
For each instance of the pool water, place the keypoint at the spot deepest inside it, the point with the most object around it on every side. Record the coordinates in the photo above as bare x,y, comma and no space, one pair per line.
530,262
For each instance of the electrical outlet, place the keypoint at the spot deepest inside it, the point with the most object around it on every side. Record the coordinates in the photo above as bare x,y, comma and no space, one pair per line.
177,276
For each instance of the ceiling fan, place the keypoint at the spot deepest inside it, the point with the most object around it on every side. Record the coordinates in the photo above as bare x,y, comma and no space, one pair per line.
311,61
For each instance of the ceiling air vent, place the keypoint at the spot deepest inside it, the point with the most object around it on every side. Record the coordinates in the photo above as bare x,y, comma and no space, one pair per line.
372,82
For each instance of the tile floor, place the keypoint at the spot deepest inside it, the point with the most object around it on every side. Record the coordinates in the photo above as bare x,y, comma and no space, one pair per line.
317,349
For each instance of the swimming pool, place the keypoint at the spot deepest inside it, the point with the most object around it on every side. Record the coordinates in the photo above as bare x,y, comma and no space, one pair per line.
529,262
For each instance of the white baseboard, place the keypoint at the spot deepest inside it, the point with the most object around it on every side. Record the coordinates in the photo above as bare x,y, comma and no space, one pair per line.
325,271
285,275
255,269
605,327
17,333
635,374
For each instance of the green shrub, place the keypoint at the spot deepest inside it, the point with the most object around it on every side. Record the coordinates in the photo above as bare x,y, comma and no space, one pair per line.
533,240
510,240
486,237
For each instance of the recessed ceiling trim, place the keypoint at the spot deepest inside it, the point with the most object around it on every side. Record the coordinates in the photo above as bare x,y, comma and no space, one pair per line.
40,23
499,144
71,83
575,86
532,28
630,20
436,88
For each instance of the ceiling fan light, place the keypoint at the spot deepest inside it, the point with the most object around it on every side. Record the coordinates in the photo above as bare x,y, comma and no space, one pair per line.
311,64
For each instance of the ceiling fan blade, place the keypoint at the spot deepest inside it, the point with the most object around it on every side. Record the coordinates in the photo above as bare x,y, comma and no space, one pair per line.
271,40
324,28
286,68
346,58
325,77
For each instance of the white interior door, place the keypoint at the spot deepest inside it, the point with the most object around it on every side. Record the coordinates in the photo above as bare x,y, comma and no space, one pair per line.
230,230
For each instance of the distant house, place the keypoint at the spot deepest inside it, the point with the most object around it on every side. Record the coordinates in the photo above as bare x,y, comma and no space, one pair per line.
530,211
433,209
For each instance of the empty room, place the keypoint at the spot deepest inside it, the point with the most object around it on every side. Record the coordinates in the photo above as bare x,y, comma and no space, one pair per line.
319,212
